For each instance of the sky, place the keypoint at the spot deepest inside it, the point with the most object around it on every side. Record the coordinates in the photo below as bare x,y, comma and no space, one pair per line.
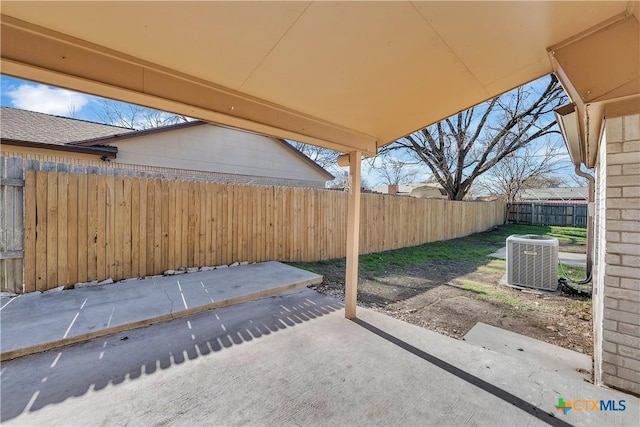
32,96
46,99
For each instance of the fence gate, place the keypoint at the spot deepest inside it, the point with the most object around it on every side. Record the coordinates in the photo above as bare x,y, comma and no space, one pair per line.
562,214
11,224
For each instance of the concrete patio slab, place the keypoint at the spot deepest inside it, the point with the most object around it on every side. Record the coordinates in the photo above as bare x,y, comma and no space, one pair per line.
528,350
292,359
40,321
569,258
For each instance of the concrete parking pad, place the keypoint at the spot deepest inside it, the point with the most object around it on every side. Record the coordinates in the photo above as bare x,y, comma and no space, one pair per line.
41,321
292,359
529,350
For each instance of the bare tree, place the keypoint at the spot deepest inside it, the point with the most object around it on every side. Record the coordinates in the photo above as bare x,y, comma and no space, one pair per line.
573,180
544,181
134,116
343,182
521,170
324,157
391,170
462,147
72,111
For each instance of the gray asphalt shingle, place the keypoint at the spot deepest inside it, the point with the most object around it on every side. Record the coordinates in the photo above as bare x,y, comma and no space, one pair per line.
22,125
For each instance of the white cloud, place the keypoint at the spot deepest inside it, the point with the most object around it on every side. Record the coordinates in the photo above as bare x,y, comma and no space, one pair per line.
48,100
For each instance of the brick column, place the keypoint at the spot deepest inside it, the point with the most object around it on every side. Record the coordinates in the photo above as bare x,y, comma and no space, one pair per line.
618,358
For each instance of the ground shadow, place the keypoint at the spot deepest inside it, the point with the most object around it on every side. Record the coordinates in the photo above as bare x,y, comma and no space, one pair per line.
514,400
383,289
30,383
397,275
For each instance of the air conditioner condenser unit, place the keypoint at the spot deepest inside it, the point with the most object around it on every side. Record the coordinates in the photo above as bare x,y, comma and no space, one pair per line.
532,261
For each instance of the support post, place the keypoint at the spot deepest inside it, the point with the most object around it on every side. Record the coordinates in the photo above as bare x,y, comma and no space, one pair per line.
353,235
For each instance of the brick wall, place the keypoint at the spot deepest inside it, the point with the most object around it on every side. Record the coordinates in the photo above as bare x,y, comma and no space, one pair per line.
618,363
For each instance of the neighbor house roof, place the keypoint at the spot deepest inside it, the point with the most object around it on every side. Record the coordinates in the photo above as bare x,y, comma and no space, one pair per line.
573,193
29,126
38,130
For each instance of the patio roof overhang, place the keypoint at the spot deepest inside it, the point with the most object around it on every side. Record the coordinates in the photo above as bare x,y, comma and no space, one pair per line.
344,75
351,76
600,70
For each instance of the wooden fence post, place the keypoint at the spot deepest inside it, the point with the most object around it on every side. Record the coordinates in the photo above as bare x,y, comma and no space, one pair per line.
11,224
353,236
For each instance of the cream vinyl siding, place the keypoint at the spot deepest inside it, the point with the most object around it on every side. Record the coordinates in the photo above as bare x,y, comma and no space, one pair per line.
216,149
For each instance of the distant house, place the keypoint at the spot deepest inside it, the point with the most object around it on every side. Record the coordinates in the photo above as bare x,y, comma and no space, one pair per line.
428,191
190,150
420,191
488,198
395,189
577,195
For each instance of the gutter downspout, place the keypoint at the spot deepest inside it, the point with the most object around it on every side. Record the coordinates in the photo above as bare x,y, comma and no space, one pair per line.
591,198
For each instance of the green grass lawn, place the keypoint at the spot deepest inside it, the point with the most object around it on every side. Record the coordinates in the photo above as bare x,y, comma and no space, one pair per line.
449,286
473,247
492,293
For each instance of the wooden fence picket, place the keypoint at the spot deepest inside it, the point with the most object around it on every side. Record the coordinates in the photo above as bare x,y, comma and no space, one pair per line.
81,227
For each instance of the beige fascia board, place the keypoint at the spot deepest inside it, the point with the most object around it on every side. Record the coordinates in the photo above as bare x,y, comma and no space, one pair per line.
568,121
594,125
623,107
590,118
35,53
579,108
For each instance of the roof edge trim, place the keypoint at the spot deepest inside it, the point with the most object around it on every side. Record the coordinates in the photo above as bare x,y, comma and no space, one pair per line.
134,134
109,152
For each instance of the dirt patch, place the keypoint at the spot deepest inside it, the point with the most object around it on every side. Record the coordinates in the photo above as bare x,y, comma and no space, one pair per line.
450,297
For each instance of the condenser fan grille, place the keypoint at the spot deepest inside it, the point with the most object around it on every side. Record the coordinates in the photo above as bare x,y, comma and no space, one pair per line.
532,261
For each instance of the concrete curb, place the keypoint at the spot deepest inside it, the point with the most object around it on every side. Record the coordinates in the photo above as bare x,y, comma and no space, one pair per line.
25,351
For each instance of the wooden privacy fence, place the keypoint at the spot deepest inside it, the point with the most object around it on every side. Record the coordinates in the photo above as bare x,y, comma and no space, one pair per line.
81,227
562,214
11,224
